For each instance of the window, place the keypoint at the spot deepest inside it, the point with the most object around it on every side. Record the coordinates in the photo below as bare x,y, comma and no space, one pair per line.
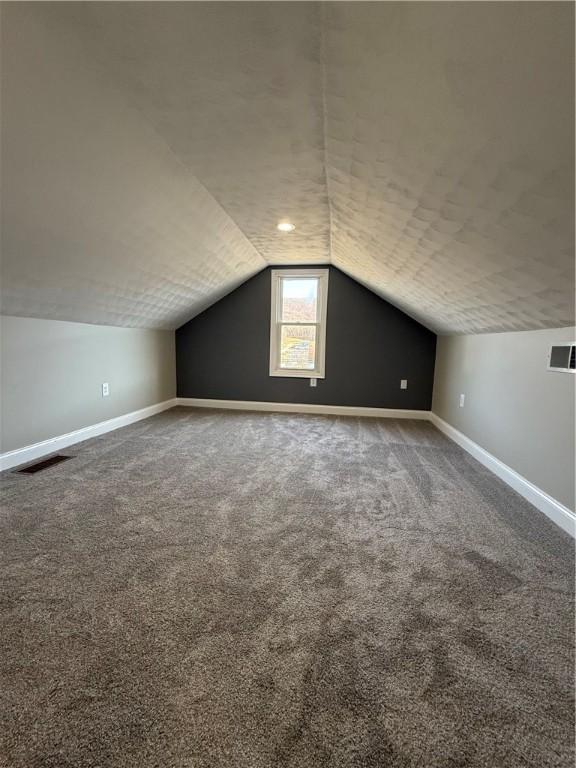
298,322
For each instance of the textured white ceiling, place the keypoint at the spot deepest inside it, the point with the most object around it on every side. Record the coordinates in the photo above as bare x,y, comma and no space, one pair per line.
424,148
450,158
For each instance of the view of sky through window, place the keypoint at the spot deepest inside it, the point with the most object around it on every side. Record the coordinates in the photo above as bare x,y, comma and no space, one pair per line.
299,300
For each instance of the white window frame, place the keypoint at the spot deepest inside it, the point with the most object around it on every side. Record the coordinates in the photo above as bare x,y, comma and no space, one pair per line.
276,323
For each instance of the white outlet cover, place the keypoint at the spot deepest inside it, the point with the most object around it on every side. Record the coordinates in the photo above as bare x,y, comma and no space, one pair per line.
462,399
105,389
403,383
312,382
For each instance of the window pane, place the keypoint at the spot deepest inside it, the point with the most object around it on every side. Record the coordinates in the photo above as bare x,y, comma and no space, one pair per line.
299,299
298,347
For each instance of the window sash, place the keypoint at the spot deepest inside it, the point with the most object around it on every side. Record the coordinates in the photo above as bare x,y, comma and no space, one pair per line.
306,371
280,299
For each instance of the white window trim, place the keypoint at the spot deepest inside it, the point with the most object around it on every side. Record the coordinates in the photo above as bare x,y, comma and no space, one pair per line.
276,324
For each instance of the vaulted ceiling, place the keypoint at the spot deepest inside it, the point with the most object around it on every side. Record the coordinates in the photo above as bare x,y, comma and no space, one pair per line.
426,149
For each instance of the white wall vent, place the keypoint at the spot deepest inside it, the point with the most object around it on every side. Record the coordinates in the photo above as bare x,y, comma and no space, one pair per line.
563,357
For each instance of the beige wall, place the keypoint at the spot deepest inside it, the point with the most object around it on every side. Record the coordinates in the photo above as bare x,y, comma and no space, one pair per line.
514,408
52,373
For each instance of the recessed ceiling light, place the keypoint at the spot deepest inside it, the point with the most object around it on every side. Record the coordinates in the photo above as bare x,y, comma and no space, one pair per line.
285,226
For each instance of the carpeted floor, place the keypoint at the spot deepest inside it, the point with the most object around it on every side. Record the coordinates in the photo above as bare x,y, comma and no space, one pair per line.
212,589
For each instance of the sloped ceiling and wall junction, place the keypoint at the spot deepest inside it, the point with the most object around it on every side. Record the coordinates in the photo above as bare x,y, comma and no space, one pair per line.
426,149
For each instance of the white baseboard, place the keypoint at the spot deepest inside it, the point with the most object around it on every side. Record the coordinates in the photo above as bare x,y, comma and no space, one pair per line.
553,509
37,450
332,410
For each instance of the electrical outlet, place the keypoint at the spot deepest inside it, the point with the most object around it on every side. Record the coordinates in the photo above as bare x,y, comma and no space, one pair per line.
462,399
105,389
403,383
312,382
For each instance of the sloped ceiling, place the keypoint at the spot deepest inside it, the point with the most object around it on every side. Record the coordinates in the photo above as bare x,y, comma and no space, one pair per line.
426,149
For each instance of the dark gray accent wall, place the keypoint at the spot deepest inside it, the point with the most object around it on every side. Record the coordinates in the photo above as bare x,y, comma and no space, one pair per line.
223,353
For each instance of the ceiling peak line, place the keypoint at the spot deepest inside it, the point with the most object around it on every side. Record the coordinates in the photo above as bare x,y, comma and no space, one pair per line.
323,81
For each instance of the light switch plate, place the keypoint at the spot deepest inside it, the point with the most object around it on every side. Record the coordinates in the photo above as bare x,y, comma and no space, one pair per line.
462,399
403,383
312,382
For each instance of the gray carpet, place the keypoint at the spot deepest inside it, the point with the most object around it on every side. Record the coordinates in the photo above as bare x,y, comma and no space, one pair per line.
212,589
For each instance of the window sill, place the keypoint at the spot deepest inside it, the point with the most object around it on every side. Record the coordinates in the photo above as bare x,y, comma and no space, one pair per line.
297,374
